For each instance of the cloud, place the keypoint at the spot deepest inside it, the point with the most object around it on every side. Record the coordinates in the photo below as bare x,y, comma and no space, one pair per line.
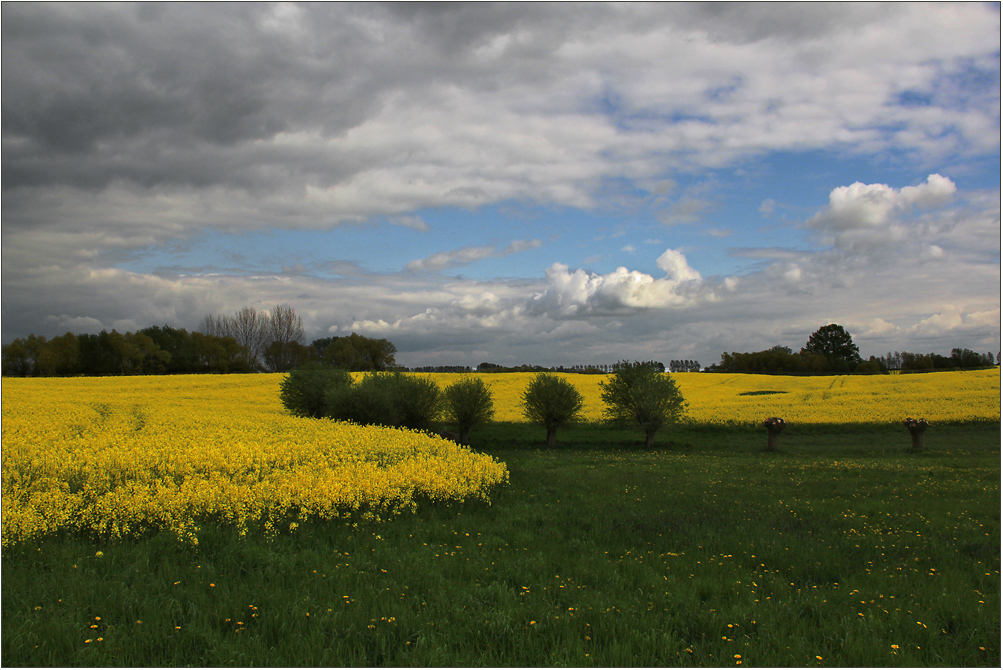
685,210
448,259
316,115
862,215
580,293
879,328
415,222
674,264
128,127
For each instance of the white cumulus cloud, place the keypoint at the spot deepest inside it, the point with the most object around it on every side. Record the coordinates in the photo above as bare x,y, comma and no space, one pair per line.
861,215
575,293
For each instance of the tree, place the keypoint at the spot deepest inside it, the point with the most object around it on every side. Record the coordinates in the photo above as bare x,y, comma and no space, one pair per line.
833,342
247,326
179,344
282,357
551,402
637,394
388,399
250,331
60,356
20,357
358,353
303,390
468,402
284,339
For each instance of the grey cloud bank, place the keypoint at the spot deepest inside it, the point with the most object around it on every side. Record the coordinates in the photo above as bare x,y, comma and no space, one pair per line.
130,127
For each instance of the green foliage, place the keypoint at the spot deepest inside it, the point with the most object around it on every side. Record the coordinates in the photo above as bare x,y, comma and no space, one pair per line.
357,353
551,402
367,403
284,356
468,402
638,395
417,400
387,399
833,342
304,389
871,367
966,358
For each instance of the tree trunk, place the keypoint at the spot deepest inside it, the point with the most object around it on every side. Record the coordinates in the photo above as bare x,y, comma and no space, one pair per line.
551,437
649,440
773,427
916,428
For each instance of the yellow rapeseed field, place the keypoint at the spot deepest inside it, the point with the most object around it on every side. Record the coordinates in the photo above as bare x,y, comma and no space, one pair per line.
749,399
119,456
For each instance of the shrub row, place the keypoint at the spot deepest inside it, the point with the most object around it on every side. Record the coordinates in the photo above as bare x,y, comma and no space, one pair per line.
636,394
391,399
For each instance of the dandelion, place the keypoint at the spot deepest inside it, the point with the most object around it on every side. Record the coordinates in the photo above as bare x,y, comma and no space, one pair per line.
99,554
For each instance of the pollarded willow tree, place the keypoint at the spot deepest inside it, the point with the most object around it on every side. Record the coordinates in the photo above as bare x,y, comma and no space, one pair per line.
637,394
551,401
468,402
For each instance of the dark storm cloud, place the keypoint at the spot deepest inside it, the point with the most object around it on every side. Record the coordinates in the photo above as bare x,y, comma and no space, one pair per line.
98,92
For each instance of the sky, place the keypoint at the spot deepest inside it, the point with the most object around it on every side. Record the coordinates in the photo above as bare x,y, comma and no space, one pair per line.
551,184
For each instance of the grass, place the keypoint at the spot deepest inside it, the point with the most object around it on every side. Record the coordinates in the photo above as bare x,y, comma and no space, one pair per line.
843,549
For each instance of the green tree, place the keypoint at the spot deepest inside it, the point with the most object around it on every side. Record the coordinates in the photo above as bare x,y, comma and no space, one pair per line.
388,399
833,342
284,356
180,344
61,356
358,353
20,357
304,389
551,402
468,402
638,395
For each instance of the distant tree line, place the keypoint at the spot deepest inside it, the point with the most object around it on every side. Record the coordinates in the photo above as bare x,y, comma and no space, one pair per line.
247,341
253,341
588,369
684,366
830,350
960,359
151,351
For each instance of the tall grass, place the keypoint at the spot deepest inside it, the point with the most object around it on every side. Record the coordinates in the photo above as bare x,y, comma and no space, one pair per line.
843,549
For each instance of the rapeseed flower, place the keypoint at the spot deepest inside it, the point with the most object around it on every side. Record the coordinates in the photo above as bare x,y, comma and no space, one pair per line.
222,448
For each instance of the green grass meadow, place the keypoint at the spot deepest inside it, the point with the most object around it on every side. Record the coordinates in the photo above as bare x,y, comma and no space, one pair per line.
843,549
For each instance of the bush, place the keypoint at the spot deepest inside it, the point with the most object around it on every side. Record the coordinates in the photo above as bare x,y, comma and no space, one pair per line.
638,395
387,399
366,403
417,401
303,390
551,402
467,403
